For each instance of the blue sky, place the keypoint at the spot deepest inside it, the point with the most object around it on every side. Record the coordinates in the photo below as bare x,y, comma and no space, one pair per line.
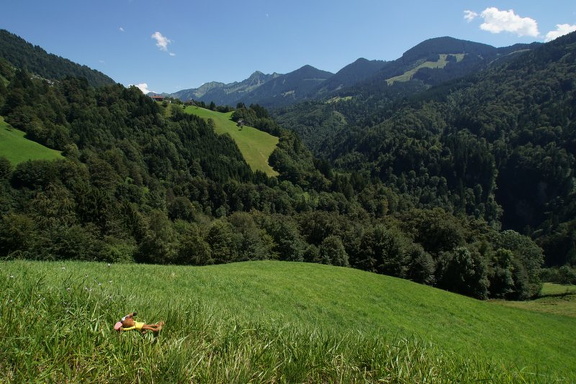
170,45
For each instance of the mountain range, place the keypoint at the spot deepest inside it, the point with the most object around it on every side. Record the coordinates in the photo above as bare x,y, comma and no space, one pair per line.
429,63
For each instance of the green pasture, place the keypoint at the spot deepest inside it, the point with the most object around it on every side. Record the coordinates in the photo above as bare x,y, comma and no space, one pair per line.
554,298
265,322
256,146
440,63
17,149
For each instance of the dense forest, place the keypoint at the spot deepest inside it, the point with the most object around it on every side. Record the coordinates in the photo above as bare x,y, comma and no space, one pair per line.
37,61
497,145
414,196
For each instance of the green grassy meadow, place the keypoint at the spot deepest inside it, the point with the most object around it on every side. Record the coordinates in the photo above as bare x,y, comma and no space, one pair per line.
440,63
17,149
256,146
265,322
554,298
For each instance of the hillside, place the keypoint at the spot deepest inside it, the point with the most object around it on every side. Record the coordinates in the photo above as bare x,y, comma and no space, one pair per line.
16,148
225,94
497,144
259,88
268,320
350,75
36,60
256,146
298,85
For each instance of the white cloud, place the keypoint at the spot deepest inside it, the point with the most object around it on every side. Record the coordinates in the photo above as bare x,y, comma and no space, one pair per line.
561,30
497,21
121,29
470,15
161,41
143,87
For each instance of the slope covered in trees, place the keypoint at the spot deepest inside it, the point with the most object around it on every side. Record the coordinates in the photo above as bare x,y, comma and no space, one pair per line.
498,145
21,54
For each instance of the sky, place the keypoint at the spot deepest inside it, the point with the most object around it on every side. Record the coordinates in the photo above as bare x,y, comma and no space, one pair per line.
171,45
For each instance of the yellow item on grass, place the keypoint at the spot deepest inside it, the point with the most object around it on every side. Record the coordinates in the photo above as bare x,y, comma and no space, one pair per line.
137,325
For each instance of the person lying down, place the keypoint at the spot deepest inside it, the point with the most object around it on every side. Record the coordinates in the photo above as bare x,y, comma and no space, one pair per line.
127,323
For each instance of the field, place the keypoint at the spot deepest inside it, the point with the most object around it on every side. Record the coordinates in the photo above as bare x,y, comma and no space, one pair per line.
16,148
440,63
554,298
256,146
265,322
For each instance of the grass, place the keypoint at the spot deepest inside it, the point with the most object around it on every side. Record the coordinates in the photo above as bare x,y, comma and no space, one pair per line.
554,298
337,99
256,146
265,322
440,63
17,149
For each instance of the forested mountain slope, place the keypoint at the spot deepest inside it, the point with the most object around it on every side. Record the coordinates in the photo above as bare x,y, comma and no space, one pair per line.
266,90
373,89
287,89
225,94
22,54
348,76
499,144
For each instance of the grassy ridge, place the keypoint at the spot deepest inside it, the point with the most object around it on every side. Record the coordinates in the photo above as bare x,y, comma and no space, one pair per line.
265,322
256,146
16,148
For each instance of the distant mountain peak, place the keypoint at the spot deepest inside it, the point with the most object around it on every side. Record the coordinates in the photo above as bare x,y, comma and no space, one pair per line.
445,44
428,63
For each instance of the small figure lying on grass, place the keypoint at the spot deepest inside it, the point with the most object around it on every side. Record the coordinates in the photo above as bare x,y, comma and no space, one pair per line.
128,323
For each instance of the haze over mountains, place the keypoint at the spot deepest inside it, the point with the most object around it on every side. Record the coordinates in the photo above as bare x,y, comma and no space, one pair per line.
429,63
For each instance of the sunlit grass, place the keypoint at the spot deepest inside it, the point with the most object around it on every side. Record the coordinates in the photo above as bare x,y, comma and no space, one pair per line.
554,298
17,149
440,63
268,322
552,289
256,146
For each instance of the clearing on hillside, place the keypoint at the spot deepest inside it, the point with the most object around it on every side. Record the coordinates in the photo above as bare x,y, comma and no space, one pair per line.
16,148
440,63
256,146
